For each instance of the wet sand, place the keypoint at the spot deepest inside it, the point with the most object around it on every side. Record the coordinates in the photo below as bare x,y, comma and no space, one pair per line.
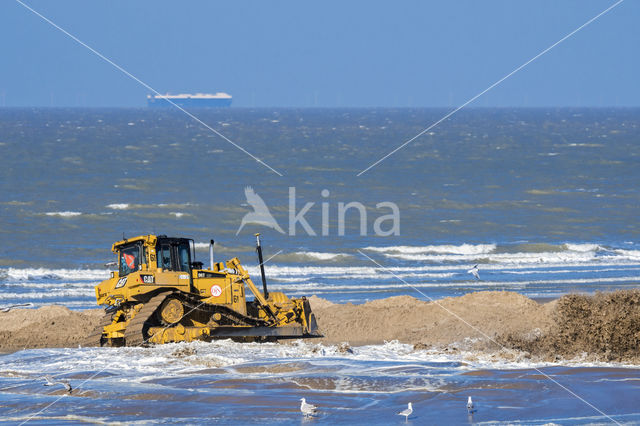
605,326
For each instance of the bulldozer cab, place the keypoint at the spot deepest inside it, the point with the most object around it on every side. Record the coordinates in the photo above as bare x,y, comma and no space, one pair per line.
173,254
161,253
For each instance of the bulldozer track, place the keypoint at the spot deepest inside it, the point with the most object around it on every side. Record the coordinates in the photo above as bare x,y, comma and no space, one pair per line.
193,304
93,339
134,333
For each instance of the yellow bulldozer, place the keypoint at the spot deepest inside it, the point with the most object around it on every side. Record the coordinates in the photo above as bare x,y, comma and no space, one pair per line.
160,294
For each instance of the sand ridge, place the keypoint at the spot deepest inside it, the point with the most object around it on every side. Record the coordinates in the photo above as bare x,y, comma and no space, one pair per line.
445,321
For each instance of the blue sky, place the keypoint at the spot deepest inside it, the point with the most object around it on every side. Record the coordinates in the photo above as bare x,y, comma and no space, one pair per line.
327,54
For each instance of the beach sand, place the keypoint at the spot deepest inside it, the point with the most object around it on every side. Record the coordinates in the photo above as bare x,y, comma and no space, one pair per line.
605,326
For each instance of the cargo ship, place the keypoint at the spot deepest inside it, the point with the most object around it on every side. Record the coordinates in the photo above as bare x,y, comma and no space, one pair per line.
197,100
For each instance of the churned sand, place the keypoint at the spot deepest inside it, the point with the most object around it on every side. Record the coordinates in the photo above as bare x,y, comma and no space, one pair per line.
605,326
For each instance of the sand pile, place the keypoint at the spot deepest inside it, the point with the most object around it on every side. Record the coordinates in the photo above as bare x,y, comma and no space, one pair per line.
46,327
607,326
409,320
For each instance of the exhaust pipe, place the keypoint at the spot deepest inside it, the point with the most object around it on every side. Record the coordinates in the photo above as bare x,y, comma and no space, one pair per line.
211,255
264,278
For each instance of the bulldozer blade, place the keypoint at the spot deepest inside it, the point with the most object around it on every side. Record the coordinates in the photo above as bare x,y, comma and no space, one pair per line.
286,332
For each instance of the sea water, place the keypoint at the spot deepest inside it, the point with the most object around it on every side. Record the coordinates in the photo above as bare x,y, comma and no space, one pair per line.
545,201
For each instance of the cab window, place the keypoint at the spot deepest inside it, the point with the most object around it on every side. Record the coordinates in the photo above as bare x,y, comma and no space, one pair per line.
129,260
183,257
164,256
173,255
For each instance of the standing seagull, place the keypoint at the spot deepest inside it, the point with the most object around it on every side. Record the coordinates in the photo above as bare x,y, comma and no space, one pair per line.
474,271
50,382
470,407
307,409
406,413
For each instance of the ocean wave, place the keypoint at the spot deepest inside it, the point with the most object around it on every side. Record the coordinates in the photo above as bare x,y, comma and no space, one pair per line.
31,274
51,293
226,353
435,271
122,206
569,271
321,255
396,284
217,248
313,256
504,263
470,249
39,285
526,254
504,258
134,206
63,214
630,254
582,247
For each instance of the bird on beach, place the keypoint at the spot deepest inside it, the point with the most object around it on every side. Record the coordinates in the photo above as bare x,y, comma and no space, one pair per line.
307,409
19,305
50,382
470,407
406,412
474,271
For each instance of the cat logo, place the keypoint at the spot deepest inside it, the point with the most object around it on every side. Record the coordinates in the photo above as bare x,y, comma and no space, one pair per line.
148,279
121,282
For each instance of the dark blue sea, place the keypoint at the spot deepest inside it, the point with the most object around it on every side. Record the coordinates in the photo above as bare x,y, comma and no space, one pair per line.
545,201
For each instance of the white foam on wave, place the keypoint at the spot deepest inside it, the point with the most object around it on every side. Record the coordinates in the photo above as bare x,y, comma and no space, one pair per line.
568,253
30,274
63,214
321,255
586,247
122,206
291,279
437,270
43,285
563,257
350,272
471,249
50,293
134,206
393,284
568,271
630,254
142,365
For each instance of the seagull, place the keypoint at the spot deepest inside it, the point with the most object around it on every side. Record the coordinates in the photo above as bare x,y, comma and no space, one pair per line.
406,413
19,305
474,271
470,407
307,409
50,382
